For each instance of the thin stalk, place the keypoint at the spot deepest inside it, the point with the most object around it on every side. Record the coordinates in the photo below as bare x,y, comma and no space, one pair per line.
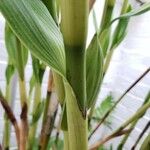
22,89
137,115
141,135
123,141
50,112
121,145
116,32
140,1
45,122
33,128
107,14
7,126
11,117
106,18
23,127
23,98
116,103
20,69
91,3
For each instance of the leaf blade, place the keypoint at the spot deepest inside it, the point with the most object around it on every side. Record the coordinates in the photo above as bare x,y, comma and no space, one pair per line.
34,26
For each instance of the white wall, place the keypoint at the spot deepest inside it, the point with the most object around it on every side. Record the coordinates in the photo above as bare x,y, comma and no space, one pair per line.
131,58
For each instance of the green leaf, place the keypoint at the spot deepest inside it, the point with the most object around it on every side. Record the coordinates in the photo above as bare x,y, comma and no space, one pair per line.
77,123
94,70
10,70
32,84
104,39
144,8
106,104
120,31
17,53
38,69
34,26
38,112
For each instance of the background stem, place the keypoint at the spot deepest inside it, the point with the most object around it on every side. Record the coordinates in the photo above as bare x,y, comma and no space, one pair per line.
7,126
33,127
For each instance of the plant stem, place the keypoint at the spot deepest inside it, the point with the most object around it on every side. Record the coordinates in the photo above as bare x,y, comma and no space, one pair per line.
91,3
114,39
11,117
116,103
74,28
33,128
137,115
22,89
123,141
141,135
50,112
7,126
106,18
23,127
127,135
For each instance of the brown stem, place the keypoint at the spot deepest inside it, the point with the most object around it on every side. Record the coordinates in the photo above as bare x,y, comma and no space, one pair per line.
23,127
91,3
139,1
121,97
99,143
141,135
11,117
49,115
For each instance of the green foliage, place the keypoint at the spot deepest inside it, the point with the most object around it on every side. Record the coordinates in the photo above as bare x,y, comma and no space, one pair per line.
101,110
94,69
38,112
9,72
17,53
144,8
51,144
38,70
46,41
104,148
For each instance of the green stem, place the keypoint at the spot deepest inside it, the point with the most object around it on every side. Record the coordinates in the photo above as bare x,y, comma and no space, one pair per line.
74,29
136,116
124,140
117,102
107,14
22,89
141,135
7,126
33,128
